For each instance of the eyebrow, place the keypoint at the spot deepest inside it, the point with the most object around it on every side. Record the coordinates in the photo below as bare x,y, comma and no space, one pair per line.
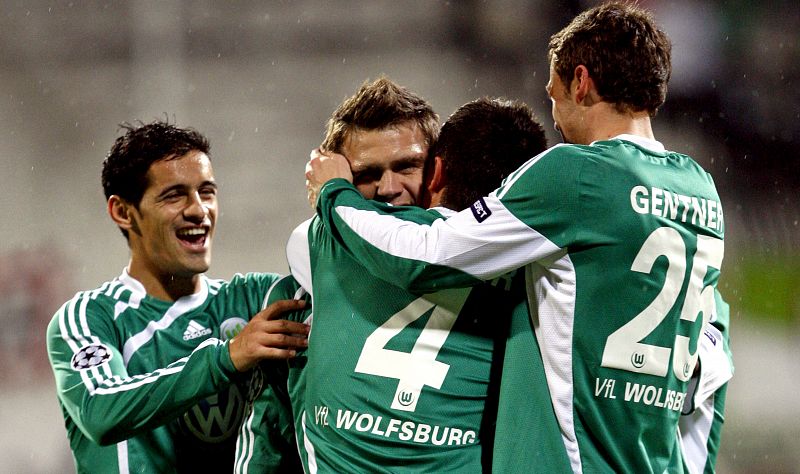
181,187
415,160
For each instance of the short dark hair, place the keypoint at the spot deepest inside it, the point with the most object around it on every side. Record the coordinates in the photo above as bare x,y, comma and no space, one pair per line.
125,168
377,105
483,142
627,55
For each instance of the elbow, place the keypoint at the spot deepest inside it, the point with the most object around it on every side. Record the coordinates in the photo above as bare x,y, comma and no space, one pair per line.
101,433
100,426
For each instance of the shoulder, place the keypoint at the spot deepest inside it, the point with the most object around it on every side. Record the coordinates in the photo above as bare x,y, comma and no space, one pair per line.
288,288
561,161
88,311
284,288
253,281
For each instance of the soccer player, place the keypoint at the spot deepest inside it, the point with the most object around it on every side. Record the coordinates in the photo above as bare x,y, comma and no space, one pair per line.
620,239
387,130
148,366
411,388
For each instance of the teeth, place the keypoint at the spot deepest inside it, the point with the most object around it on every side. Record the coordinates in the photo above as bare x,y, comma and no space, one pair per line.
194,231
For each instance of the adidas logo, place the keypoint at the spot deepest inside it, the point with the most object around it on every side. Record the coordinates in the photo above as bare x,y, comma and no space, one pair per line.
195,330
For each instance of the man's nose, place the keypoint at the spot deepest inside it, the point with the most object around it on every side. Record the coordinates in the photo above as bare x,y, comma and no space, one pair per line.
196,210
389,187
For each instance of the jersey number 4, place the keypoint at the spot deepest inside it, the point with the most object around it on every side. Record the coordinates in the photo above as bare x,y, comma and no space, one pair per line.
417,368
624,349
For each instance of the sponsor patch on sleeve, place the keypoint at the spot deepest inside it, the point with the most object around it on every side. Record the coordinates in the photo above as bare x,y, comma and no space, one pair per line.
91,356
480,210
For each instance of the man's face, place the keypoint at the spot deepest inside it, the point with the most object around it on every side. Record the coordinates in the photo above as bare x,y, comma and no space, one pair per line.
174,223
565,111
387,164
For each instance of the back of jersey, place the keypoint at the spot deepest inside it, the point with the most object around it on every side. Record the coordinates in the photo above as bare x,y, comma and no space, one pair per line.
620,308
397,381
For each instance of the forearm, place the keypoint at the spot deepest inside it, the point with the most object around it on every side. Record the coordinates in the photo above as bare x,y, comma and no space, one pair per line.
109,406
403,249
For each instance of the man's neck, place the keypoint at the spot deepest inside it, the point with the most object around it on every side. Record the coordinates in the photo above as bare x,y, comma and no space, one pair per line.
605,122
164,287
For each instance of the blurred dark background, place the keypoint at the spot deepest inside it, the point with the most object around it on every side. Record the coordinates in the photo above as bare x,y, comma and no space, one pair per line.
260,78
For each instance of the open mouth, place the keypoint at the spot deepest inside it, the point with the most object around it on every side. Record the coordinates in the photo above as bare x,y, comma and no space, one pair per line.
194,237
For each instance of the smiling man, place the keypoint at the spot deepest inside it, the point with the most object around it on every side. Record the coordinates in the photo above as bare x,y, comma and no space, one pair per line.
148,365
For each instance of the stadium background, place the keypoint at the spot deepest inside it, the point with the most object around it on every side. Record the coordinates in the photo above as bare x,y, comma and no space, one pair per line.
260,79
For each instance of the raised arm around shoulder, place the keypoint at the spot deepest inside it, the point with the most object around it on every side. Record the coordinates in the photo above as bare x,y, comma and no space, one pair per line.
479,243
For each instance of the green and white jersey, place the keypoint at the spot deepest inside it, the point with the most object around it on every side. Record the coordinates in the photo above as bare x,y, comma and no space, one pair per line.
270,420
397,381
147,385
621,241
527,435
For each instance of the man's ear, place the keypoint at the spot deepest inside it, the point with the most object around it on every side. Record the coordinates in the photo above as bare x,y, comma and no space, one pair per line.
583,88
436,181
121,213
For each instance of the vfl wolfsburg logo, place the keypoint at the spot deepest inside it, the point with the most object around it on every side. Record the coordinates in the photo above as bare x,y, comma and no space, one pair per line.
216,418
637,359
231,327
405,398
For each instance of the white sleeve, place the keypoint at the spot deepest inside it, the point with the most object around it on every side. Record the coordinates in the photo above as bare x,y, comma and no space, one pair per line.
299,257
715,366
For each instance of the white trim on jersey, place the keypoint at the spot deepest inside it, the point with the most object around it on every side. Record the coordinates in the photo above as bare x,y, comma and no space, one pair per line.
299,256
652,145
508,183
312,457
117,384
76,337
715,367
122,457
484,250
181,306
551,300
693,433
245,443
111,287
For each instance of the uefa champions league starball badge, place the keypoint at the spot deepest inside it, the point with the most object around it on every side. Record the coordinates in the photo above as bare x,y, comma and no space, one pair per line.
91,356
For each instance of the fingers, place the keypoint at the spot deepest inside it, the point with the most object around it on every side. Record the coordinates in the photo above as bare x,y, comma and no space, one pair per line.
311,195
294,336
267,339
278,308
323,166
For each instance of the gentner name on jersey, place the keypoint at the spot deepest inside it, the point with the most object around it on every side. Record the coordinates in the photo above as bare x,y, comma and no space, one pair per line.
678,207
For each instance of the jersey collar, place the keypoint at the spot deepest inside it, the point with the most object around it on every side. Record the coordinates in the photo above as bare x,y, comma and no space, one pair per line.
643,142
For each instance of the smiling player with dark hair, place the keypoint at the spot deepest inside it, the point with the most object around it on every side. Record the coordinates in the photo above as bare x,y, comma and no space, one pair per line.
148,365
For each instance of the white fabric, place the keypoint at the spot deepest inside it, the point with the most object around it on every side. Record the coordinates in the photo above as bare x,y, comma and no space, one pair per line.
485,250
181,306
299,257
